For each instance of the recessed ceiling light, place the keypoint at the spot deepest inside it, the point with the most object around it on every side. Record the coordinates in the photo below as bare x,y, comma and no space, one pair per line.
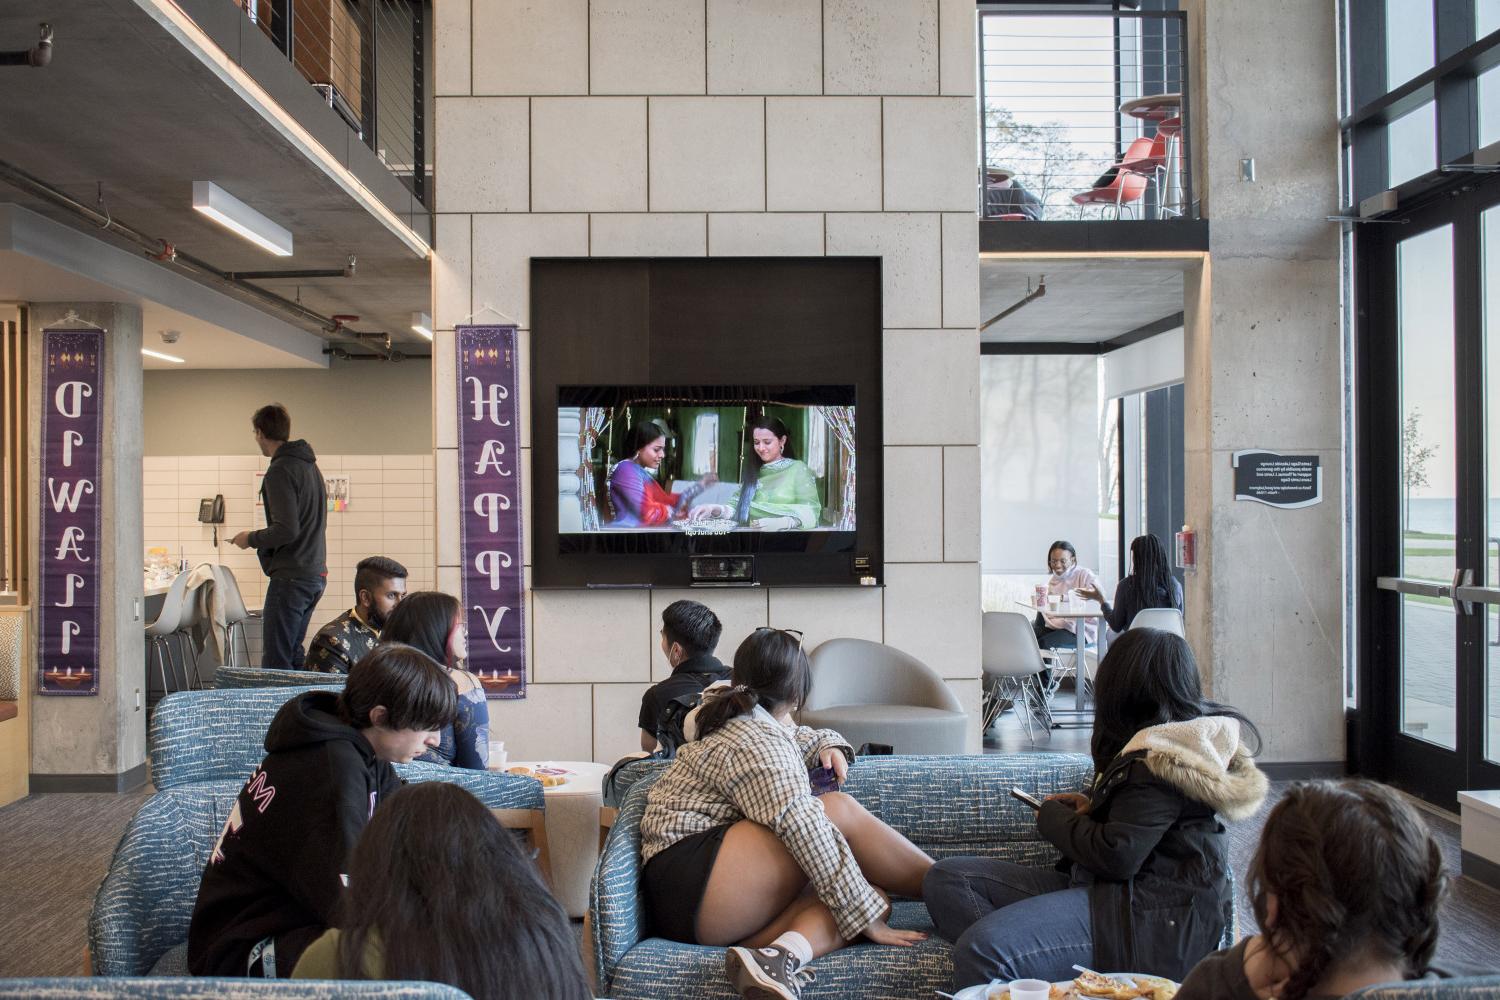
422,323
163,357
234,215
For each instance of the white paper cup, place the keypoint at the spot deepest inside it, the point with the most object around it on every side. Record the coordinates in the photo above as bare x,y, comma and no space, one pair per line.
498,756
1030,989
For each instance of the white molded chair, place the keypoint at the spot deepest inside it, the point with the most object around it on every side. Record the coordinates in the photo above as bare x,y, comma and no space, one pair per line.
1166,619
1012,662
235,615
162,633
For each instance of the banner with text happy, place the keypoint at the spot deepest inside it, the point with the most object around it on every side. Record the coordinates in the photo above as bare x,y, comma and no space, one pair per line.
72,422
489,494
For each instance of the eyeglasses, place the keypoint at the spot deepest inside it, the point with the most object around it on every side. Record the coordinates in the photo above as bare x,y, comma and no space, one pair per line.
794,632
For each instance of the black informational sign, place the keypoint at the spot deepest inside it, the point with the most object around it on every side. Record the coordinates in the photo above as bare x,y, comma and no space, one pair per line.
1278,480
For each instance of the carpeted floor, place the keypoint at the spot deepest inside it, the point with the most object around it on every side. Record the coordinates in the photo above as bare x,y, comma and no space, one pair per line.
54,850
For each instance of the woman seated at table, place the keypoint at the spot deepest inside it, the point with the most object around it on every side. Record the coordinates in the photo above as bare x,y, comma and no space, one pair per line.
638,499
1067,576
433,622
439,891
783,490
1149,585
1145,880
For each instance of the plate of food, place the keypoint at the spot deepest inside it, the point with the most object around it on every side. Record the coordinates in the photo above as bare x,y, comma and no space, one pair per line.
1088,986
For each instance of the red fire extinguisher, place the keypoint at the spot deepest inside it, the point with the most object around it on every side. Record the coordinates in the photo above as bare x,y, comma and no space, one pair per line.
1187,549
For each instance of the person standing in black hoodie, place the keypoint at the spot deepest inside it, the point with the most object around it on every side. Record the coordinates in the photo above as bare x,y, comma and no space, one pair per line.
275,877
291,545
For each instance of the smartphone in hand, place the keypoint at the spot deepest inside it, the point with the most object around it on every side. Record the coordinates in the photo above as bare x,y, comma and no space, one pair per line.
823,780
1030,800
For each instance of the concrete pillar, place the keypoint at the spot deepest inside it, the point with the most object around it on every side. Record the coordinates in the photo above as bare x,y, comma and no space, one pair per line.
1264,369
99,743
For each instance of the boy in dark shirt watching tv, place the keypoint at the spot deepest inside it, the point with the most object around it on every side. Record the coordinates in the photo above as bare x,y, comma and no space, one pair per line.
273,882
689,634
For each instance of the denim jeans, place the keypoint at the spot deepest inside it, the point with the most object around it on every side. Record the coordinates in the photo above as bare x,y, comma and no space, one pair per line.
284,619
1008,921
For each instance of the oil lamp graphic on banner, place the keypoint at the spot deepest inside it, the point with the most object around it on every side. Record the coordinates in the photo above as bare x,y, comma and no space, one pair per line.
68,677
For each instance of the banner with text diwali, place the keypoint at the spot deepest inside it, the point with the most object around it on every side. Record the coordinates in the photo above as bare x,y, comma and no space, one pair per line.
489,494
72,421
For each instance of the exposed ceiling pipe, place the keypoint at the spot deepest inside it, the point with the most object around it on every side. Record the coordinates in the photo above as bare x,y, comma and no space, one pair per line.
1032,294
160,250
38,55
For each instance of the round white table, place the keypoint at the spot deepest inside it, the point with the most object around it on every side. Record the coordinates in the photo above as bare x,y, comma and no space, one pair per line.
1079,611
572,828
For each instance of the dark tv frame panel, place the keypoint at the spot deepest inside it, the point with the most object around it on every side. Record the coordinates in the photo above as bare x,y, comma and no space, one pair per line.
709,321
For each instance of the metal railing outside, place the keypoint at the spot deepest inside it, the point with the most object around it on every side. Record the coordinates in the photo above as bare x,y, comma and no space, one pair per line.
368,61
1085,114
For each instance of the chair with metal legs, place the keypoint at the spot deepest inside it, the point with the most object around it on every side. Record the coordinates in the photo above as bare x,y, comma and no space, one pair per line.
160,633
1012,662
235,616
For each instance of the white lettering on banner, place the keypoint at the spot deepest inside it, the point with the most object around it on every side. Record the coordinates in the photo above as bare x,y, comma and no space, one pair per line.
498,395
70,396
75,582
490,505
64,498
491,456
72,536
69,630
490,562
71,440
492,625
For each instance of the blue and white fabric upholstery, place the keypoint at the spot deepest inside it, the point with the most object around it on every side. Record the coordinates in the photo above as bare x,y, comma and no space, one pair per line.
946,805
1471,988
260,677
222,989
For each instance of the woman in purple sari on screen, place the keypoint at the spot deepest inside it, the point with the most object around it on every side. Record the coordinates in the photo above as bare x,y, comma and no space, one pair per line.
637,498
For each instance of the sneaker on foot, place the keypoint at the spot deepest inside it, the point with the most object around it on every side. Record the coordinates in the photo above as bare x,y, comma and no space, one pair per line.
770,973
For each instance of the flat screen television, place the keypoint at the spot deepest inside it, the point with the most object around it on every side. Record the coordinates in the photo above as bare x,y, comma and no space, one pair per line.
707,469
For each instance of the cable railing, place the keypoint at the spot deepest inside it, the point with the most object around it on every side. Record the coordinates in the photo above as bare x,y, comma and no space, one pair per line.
1085,115
367,59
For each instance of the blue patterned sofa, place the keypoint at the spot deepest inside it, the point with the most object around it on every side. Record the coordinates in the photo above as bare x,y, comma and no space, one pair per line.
1471,988
161,988
947,806
202,746
262,677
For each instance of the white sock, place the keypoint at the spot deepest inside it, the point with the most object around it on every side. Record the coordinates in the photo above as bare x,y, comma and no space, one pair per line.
799,947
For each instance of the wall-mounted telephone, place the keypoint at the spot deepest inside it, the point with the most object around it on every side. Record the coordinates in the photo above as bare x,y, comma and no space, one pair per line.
212,512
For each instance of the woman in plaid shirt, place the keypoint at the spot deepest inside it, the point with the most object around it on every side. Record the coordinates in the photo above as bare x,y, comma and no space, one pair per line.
739,852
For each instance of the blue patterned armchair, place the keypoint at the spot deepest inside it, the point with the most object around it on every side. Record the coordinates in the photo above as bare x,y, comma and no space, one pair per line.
161,988
1471,988
262,677
947,806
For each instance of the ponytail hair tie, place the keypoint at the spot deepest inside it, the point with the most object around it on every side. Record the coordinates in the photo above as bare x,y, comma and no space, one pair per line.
740,689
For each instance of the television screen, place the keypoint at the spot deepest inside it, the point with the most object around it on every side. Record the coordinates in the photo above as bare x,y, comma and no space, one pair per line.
706,460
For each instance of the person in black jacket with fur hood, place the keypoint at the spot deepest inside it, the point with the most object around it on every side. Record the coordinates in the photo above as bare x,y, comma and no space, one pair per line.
1144,883
276,875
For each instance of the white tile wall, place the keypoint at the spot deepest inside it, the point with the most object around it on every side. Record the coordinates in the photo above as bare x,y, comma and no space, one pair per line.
390,513
745,128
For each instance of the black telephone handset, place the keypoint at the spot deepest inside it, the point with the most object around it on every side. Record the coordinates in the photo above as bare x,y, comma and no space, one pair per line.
212,512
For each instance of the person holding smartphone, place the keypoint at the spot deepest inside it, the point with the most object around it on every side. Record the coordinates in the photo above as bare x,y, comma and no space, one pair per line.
1147,887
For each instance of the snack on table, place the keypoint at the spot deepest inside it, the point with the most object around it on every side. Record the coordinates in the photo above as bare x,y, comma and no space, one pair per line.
1159,989
547,780
1091,984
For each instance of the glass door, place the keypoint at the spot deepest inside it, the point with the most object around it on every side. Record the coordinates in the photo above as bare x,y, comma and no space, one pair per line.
1429,390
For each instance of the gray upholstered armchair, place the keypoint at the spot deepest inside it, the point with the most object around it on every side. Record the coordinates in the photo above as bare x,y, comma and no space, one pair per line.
873,693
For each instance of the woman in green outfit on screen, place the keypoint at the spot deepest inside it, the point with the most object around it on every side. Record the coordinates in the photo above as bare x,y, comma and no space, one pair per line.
784,492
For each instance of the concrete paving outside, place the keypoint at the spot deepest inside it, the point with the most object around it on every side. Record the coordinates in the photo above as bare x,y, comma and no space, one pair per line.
1429,702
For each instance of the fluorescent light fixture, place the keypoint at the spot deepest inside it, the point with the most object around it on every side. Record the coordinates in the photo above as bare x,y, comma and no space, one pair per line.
422,323
234,215
163,357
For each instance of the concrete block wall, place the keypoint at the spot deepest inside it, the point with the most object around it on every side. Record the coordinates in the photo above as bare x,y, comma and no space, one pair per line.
724,127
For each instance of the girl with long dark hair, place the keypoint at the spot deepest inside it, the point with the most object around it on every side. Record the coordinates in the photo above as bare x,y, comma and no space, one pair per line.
1150,584
1148,888
1346,883
439,891
433,622
778,492
739,853
635,494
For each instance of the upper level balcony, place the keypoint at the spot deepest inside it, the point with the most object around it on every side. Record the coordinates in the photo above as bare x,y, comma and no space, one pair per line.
1086,131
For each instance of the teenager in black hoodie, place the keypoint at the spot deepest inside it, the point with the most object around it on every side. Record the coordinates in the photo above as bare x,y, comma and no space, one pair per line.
291,546
275,877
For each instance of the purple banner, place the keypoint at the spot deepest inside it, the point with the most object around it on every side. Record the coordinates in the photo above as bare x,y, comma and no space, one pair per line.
489,496
72,420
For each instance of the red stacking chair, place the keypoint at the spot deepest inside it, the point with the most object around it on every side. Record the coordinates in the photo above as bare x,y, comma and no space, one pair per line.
1128,184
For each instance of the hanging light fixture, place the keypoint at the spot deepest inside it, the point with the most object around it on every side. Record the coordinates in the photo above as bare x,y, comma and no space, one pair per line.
234,215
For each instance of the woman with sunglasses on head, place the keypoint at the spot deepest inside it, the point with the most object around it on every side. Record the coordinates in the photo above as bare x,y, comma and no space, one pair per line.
434,623
740,853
